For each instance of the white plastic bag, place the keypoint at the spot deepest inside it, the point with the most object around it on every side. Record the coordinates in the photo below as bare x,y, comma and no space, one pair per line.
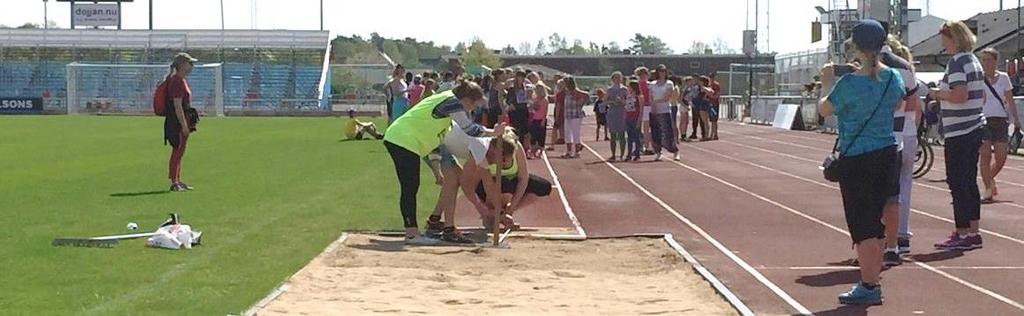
172,237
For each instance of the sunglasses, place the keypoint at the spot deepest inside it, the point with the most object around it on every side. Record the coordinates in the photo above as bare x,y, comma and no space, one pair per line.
945,31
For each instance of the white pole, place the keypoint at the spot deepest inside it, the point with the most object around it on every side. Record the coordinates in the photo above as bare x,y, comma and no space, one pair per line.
221,15
46,14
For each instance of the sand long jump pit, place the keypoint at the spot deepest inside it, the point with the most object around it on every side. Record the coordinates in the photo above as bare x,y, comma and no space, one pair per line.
374,275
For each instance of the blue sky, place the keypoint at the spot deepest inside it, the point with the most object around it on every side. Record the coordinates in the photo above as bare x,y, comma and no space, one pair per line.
677,22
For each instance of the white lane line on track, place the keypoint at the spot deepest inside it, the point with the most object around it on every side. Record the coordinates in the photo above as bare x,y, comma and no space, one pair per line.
714,242
561,194
1011,204
953,278
833,268
823,150
827,185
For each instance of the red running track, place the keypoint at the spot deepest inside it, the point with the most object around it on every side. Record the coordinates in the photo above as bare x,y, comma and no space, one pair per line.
754,209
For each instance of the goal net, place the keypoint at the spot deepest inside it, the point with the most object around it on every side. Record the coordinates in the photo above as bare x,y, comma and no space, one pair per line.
128,88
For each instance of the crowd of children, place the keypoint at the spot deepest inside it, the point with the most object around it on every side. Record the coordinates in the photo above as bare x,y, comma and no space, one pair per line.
457,125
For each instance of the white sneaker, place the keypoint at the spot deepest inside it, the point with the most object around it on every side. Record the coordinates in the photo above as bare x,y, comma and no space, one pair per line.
676,157
657,156
421,240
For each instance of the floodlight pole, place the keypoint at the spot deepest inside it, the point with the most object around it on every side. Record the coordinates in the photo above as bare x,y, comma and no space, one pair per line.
45,14
754,55
119,14
221,15
73,14
150,15
321,15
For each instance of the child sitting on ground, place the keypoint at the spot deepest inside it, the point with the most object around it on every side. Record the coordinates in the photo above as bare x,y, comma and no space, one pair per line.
354,128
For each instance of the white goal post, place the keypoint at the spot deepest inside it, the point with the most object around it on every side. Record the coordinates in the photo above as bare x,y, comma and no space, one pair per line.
128,88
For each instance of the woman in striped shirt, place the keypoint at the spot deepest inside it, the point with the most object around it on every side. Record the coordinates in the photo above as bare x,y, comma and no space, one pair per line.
962,95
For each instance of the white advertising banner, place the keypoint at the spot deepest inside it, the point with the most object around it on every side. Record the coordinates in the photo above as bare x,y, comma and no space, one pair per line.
95,14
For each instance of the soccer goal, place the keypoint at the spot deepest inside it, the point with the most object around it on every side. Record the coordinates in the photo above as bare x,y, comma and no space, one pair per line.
128,88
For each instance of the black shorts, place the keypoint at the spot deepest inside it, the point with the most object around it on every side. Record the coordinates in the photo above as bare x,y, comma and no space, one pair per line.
519,119
536,185
602,119
895,185
866,185
997,130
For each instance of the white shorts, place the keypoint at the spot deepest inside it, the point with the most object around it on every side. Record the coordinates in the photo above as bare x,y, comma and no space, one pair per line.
465,147
572,131
646,115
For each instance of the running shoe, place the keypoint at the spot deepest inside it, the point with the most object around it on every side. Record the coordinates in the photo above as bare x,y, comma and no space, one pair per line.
975,241
452,235
648,152
178,188
903,244
421,240
861,295
434,226
676,157
186,186
694,136
891,259
657,157
955,242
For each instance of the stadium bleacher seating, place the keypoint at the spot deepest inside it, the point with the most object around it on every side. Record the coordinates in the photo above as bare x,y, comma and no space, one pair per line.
265,77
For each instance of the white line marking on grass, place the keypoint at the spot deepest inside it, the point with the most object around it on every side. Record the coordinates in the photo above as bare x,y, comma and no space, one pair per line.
844,232
561,194
714,242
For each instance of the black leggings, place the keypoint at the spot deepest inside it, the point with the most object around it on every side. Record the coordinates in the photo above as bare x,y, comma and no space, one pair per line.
538,132
407,166
961,176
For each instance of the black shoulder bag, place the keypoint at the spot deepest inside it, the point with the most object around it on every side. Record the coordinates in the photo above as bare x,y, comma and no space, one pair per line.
832,167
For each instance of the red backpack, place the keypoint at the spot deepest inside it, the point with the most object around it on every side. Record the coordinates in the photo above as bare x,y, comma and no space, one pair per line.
160,99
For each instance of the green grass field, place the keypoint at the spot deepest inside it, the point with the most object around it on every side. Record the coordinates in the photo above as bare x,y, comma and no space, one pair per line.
270,194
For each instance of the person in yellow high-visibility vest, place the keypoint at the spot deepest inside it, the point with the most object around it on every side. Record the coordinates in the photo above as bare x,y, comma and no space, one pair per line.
418,132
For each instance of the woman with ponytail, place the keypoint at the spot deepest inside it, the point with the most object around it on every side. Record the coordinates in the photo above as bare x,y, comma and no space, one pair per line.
180,120
863,102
